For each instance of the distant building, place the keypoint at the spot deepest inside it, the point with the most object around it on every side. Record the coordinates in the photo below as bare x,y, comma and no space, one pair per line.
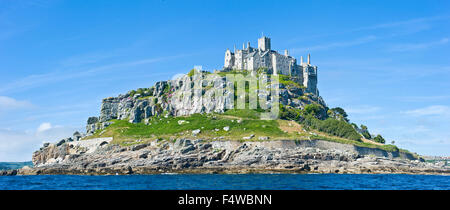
252,59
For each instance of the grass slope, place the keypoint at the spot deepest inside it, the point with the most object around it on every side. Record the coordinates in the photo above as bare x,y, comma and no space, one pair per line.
241,123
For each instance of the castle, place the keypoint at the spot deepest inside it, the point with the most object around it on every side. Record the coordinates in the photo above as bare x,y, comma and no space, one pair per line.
252,59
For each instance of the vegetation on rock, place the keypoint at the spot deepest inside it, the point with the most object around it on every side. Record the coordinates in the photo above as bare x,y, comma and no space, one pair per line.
379,139
309,119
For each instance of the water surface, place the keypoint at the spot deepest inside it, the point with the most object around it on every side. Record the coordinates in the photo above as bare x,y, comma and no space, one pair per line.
228,182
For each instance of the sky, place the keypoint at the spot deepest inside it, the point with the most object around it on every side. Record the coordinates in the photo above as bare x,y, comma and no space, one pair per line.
385,62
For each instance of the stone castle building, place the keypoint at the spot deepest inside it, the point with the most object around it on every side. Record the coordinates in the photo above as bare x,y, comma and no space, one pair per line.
252,59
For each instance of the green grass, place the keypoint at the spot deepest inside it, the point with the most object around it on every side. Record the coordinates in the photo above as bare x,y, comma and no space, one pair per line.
161,128
126,133
388,148
243,72
244,113
168,128
286,81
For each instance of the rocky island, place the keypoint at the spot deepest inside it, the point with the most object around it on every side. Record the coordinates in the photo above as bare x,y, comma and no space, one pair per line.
262,113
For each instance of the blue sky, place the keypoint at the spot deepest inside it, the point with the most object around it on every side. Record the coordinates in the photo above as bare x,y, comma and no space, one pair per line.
385,62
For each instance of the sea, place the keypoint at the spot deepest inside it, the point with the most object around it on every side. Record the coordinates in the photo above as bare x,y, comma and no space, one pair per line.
228,182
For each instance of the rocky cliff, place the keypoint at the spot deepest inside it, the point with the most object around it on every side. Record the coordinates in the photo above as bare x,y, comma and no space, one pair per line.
178,98
98,156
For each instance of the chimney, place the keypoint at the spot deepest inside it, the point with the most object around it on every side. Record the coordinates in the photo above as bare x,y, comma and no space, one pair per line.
286,52
301,60
248,45
309,58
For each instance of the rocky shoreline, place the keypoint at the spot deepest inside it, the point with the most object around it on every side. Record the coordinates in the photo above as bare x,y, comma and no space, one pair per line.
100,157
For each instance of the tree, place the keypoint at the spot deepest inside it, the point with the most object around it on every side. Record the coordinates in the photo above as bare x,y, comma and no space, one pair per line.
312,109
392,142
338,113
365,132
363,127
289,113
379,139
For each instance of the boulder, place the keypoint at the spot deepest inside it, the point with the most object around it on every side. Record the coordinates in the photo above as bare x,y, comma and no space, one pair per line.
263,138
62,141
76,136
195,132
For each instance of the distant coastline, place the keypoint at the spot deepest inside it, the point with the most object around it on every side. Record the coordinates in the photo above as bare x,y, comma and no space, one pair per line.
14,165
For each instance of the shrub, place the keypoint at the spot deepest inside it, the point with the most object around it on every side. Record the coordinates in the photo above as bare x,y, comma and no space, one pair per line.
366,135
365,132
333,127
191,73
312,109
287,81
132,93
379,139
289,113
338,113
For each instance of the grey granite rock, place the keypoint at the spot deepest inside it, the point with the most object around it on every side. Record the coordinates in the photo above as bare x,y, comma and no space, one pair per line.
178,97
197,156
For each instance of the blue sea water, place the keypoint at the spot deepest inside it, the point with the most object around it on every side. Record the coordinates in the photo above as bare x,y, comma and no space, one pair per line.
228,182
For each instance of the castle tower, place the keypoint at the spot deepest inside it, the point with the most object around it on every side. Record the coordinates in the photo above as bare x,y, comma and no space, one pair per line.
264,43
310,77
229,59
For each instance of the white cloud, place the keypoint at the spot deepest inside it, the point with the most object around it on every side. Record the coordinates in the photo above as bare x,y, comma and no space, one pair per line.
19,145
424,98
405,26
417,46
362,110
47,78
359,41
412,22
11,103
16,145
43,127
429,110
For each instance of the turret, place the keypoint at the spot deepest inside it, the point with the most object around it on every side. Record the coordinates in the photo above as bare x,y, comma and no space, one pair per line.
264,43
310,77
229,59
